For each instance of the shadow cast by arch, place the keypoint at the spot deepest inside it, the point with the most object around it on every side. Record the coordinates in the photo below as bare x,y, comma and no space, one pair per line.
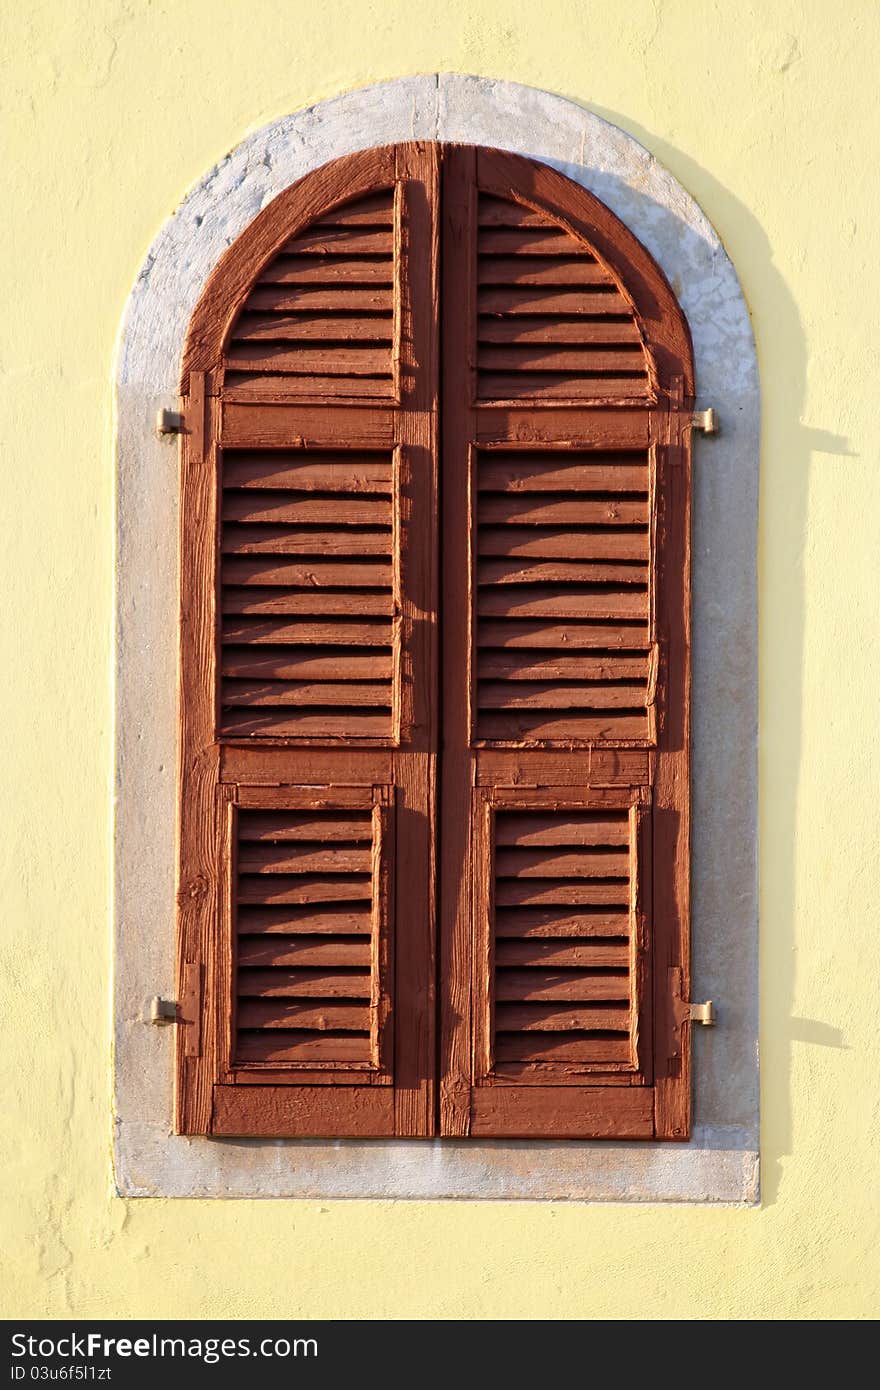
787,449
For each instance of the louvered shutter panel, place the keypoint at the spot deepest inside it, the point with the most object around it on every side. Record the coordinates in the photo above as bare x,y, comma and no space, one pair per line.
307,742
312,860
567,384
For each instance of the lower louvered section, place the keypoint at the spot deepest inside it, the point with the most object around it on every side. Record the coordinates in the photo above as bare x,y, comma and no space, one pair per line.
562,589
563,982
307,595
308,912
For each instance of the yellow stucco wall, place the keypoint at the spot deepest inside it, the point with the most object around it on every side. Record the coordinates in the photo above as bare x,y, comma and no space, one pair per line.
767,113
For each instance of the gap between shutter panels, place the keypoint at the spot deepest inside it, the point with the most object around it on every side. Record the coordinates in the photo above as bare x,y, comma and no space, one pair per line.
563,983
304,890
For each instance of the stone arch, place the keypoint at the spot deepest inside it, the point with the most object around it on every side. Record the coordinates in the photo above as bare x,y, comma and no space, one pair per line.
720,1162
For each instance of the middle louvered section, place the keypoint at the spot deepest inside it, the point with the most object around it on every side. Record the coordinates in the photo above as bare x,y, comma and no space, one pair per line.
307,595
562,590
564,883
305,888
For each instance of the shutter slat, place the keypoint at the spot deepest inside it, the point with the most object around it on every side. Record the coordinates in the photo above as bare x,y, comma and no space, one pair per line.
499,508
595,581
571,635
307,889
284,665
519,473
302,1047
546,601
262,827
371,633
588,955
351,724
373,210
517,385
606,543
578,986
587,1047
563,893
595,361
279,983
304,968
546,1018
318,511
290,859
536,240
257,387
540,923
325,240
544,695
564,828
501,212
497,299
561,572
287,269
547,985
530,267
306,921
313,604
543,331
588,862
272,1013
513,666
318,473
562,270
517,728
253,951
324,299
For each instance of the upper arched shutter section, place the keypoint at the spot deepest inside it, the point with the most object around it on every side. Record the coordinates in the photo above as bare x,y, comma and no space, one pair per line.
319,320
435,535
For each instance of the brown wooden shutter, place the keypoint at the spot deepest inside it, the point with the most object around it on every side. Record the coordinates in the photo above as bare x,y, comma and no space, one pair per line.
307,734
314,719
566,391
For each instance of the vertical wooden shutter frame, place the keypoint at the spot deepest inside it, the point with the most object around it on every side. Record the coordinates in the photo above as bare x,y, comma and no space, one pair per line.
328,667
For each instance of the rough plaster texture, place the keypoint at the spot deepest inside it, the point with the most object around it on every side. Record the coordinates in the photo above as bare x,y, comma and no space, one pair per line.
720,1164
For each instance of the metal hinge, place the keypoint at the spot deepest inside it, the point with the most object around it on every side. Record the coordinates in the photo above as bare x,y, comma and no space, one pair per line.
703,1013
705,420
162,1010
169,422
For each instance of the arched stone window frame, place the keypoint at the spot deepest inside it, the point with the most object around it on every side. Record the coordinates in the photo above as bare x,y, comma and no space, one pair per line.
720,1163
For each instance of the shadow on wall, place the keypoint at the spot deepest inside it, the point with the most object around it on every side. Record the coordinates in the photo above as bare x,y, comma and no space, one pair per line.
787,449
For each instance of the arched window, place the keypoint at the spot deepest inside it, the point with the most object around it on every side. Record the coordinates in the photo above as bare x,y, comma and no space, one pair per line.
434,778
